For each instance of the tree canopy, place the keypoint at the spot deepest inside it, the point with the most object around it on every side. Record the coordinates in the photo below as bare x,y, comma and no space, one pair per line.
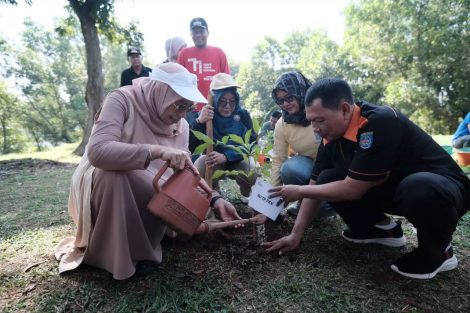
411,54
416,53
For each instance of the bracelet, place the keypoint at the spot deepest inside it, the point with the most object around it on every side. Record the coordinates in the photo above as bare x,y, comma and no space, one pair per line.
150,153
214,199
147,160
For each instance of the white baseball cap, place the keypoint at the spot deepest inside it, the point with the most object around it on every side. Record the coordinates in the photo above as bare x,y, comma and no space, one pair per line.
183,83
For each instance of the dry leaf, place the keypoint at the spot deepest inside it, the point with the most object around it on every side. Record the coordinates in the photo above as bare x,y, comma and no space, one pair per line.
238,285
29,288
27,268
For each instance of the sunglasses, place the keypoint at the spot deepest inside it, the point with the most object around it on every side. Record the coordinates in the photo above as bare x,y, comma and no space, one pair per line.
224,103
288,99
184,106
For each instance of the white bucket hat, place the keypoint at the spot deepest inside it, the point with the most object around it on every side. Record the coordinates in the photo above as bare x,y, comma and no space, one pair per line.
222,81
183,83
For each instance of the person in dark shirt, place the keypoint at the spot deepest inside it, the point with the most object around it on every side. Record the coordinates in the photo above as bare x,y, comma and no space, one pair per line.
373,160
137,69
269,125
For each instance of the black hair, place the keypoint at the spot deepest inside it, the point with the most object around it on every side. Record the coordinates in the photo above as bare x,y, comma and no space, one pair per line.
331,91
276,114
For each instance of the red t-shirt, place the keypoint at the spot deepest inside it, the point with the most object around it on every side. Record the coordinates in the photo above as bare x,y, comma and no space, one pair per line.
205,63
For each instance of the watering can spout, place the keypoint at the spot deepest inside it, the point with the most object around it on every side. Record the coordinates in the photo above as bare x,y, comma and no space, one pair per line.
207,227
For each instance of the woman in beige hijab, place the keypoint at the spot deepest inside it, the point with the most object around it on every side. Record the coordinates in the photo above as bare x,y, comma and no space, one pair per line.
172,47
140,127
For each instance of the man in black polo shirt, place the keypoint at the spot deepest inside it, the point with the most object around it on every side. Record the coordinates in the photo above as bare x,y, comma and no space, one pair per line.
137,69
373,160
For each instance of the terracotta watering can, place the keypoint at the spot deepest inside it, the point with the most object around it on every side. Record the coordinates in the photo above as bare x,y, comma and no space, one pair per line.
181,201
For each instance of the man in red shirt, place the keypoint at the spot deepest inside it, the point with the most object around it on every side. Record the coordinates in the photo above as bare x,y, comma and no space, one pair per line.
203,60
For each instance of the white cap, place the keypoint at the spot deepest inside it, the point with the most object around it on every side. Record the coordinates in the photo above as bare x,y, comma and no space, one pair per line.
183,83
222,81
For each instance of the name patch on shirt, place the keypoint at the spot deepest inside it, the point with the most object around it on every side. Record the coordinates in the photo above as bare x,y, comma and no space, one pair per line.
366,139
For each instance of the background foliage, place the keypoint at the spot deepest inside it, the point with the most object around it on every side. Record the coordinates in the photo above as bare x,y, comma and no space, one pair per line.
411,54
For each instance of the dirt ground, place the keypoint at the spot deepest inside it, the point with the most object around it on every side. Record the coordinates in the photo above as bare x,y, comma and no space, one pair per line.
225,271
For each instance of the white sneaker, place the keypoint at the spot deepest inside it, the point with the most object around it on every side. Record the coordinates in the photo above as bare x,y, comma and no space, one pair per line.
293,208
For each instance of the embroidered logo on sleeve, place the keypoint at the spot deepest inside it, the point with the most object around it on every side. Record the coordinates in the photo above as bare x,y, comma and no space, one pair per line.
366,140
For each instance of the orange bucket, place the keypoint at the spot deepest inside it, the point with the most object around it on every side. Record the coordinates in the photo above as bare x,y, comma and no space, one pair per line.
261,159
463,156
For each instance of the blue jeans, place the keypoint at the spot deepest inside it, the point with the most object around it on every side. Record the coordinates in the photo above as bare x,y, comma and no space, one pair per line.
461,142
297,170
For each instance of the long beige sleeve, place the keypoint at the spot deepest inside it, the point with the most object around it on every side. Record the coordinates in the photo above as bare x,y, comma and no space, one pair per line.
280,152
105,149
301,139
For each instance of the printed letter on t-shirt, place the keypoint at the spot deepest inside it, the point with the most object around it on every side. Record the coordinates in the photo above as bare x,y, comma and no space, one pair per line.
197,65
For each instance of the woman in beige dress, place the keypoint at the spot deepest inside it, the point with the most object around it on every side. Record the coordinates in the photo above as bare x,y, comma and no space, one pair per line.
139,128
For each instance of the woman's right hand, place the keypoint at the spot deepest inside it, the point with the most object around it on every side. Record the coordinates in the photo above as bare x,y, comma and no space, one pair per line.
178,158
207,114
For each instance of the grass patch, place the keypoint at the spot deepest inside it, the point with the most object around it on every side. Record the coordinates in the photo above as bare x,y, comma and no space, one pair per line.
31,198
443,140
62,153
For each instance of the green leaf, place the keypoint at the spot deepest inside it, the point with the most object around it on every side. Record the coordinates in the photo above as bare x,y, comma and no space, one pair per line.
237,139
266,172
225,139
247,137
257,150
237,148
252,145
220,173
267,148
245,150
252,172
202,136
201,148
256,126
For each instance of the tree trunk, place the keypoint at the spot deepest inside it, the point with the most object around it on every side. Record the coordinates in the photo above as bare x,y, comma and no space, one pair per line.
5,136
95,85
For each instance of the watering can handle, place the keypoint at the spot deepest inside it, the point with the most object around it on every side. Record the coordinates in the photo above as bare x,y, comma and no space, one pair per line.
159,174
206,188
202,183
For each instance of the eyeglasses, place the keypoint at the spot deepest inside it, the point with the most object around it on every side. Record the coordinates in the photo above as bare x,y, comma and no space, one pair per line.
231,103
288,99
183,106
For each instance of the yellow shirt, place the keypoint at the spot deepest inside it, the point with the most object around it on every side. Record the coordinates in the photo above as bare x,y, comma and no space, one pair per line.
300,139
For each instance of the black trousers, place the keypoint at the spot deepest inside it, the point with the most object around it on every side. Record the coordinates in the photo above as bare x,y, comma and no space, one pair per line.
432,203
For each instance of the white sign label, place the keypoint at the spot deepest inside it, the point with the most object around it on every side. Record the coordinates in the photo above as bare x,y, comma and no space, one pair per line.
260,202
